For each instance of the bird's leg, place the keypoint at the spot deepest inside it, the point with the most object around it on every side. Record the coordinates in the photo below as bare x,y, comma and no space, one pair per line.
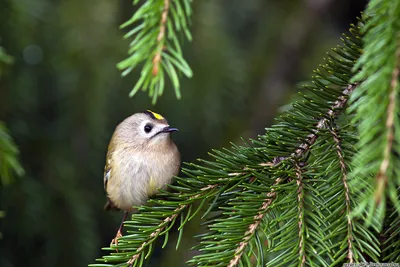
119,232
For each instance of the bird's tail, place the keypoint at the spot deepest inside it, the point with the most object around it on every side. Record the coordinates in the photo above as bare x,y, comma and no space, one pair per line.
109,205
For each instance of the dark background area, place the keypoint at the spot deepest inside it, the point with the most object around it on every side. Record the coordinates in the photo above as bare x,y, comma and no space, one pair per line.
63,97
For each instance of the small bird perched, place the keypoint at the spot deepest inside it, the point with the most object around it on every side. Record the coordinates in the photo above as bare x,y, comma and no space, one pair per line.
141,159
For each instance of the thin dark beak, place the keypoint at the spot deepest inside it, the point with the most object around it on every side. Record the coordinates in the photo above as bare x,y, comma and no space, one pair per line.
169,129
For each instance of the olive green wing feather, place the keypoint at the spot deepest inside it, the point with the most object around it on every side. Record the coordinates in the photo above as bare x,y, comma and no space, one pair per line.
107,170
107,176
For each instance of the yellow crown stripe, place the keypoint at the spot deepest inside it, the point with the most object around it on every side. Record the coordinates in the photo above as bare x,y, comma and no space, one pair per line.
156,115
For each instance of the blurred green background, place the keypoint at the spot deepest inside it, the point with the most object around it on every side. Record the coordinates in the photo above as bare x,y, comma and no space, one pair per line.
63,97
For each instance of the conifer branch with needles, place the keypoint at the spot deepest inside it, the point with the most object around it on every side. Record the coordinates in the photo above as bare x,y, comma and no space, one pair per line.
381,177
270,196
155,234
160,38
157,28
165,223
334,111
375,103
300,208
350,254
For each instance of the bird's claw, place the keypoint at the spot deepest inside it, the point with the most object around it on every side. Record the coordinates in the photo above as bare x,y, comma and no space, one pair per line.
114,242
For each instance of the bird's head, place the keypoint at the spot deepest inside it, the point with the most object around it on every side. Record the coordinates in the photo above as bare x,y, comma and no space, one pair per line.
145,130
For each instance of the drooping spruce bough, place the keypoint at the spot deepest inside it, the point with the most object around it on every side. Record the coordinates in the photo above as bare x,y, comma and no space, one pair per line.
158,26
312,191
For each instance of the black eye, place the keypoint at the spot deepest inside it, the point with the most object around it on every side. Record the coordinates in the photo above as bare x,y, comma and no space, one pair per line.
148,128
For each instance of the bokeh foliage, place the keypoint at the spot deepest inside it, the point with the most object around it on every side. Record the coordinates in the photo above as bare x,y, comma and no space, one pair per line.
5,59
9,164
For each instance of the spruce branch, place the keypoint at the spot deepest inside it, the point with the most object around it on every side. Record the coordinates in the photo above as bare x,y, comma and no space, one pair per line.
323,124
299,153
156,233
300,208
377,163
332,113
381,177
134,248
158,26
392,243
254,226
164,224
339,150
335,242
160,38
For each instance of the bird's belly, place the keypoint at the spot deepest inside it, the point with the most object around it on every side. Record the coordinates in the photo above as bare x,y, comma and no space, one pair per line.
139,180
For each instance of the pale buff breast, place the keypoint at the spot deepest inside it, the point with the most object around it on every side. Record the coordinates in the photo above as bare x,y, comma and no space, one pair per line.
136,176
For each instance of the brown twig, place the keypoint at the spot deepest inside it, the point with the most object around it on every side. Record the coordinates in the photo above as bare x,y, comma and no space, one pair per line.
300,208
381,177
350,254
253,227
311,139
160,38
333,112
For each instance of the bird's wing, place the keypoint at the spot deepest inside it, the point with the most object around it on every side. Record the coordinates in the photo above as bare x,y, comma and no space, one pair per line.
107,168
107,175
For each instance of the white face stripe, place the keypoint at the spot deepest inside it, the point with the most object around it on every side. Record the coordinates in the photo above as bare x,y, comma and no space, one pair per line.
143,132
156,127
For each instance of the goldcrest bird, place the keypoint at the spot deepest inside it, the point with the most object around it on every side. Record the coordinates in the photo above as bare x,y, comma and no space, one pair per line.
141,159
